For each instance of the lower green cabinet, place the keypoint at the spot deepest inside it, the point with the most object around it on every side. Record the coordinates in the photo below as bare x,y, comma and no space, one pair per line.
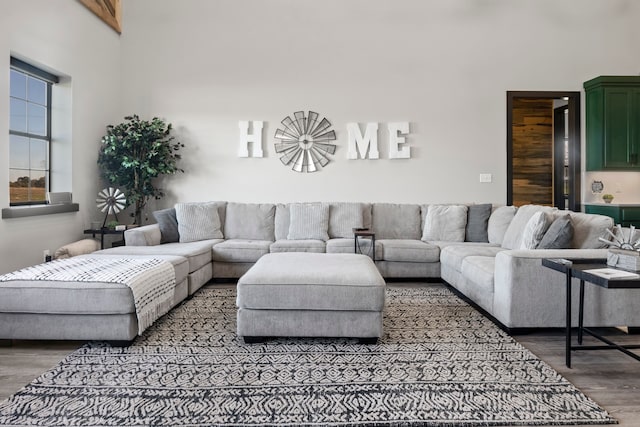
625,215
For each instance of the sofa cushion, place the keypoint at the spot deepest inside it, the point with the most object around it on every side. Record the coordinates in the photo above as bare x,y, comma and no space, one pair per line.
308,221
478,271
197,253
343,217
240,250
198,221
443,245
408,250
513,235
445,222
168,223
559,235
308,245
478,223
251,221
534,230
396,221
454,255
587,228
282,220
347,246
499,221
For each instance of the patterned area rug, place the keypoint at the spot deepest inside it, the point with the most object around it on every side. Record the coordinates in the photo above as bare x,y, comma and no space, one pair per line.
440,363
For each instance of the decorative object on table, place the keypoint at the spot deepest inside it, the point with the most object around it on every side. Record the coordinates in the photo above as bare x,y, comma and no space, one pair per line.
624,251
597,187
110,201
133,154
59,198
624,258
607,198
620,240
305,142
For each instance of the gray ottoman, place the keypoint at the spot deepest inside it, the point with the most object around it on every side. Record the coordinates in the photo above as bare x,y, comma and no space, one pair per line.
298,294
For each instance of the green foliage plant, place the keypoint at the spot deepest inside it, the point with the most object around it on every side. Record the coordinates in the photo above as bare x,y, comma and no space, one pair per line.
136,152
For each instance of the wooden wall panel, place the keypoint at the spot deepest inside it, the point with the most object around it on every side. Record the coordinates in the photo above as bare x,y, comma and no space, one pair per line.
109,11
532,151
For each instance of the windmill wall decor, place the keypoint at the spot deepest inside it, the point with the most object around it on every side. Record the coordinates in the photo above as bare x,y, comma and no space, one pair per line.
305,142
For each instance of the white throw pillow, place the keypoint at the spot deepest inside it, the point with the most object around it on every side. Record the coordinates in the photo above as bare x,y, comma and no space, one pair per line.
534,230
198,221
445,223
308,221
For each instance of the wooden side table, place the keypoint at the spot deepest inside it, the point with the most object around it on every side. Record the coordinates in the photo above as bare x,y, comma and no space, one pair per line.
366,233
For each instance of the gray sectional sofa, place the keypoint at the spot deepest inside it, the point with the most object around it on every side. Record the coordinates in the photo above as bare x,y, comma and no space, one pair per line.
476,249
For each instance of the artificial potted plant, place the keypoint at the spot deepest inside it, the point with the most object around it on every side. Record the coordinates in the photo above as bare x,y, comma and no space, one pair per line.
607,198
136,152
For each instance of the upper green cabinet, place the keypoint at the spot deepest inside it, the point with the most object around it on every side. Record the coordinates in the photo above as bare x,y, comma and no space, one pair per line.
613,123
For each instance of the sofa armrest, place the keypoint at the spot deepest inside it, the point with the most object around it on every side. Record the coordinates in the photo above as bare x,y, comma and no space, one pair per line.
147,235
522,284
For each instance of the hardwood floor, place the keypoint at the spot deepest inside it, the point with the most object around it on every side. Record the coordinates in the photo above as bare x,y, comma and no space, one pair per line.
610,378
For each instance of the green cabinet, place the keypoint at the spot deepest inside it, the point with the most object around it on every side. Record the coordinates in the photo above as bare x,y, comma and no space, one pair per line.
613,123
622,214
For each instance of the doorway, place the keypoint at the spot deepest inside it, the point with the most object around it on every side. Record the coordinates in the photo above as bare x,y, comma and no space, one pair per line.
543,149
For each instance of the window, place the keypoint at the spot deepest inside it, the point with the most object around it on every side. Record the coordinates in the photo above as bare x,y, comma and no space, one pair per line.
29,133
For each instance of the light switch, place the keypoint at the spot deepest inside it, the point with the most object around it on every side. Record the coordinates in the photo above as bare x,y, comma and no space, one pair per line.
486,177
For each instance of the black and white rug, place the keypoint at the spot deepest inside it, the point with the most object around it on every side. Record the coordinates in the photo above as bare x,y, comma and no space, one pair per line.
440,363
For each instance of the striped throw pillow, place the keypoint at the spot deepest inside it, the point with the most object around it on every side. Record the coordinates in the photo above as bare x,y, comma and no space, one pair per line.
198,221
343,218
308,221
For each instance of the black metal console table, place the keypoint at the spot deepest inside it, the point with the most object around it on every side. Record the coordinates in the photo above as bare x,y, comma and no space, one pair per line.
366,233
583,269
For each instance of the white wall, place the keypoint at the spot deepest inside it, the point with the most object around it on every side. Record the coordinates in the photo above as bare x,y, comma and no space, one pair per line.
442,65
66,37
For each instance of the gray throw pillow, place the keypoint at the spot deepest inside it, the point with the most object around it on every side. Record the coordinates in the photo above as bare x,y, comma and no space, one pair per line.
308,221
559,235
478,223
198,221
343,218
534,230
168,223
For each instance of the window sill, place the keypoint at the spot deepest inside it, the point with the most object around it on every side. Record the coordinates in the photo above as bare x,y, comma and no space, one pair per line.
24,211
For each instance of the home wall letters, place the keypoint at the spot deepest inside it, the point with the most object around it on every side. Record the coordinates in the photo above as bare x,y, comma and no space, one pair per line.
360,145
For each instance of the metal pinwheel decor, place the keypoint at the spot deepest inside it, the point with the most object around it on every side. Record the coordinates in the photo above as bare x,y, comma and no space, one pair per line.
111,201
621,240
305,142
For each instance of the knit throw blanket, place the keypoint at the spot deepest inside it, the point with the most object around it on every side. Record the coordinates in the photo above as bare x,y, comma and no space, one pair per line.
152,281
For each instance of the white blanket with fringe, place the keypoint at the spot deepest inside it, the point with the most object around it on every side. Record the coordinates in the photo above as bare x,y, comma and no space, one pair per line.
152,281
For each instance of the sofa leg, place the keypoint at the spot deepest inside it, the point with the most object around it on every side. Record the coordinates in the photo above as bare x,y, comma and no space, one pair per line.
253,340
367,341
